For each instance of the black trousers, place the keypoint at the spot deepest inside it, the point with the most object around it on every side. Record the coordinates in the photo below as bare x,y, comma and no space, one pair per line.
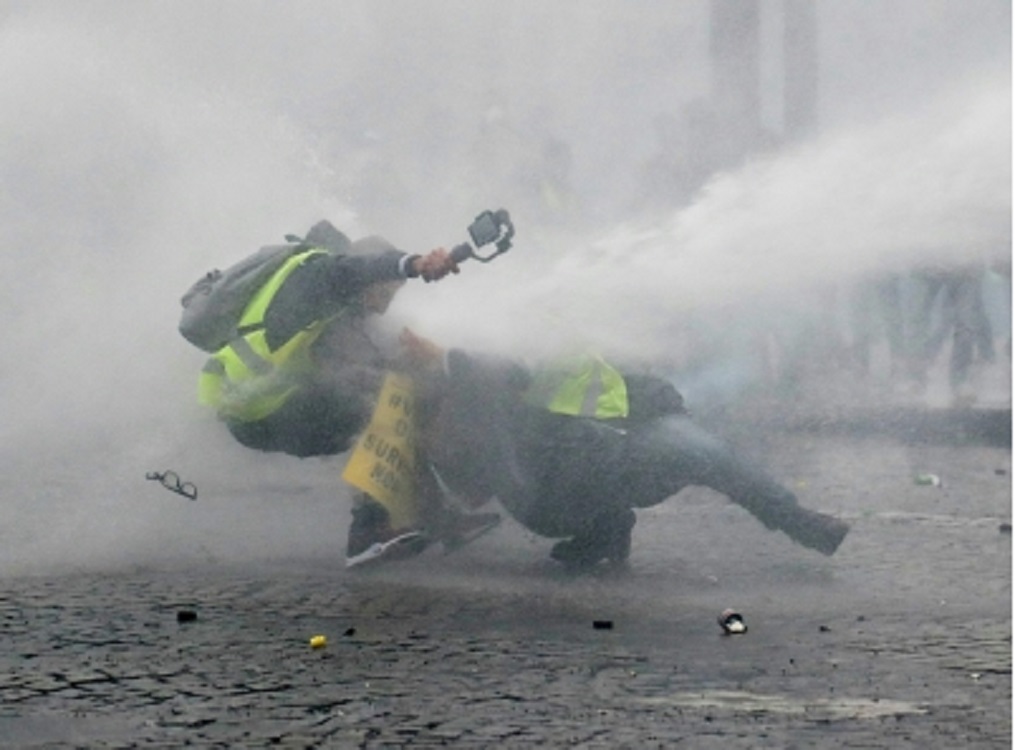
583,472
315,421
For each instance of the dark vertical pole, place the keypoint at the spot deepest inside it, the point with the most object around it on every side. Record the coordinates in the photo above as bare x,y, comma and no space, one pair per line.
800,64
735,51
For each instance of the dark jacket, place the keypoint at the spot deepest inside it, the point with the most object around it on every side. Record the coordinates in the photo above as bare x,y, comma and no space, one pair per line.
327,412
552,472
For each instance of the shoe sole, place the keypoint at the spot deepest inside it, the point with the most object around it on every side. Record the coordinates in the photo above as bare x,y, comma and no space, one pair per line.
402,546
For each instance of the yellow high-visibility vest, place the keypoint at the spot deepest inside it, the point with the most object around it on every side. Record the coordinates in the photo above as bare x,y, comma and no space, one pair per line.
247,381
584,386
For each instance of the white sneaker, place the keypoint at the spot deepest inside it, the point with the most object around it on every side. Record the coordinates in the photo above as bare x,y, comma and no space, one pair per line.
404,544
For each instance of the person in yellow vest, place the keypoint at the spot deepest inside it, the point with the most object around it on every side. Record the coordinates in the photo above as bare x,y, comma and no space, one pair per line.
573,448
303,375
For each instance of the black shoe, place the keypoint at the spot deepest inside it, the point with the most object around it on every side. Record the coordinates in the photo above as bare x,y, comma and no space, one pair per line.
608,539
372,538
817,531
576,553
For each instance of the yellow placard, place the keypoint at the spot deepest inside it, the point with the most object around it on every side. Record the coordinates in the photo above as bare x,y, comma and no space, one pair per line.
383,464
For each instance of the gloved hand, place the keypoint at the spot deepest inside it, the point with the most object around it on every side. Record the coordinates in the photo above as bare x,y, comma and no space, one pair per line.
435,265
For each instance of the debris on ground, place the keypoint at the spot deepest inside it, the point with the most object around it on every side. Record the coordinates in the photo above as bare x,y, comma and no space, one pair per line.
732,622
928,480
171,481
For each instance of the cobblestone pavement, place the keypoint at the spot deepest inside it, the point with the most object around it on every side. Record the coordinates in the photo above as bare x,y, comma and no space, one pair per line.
903,639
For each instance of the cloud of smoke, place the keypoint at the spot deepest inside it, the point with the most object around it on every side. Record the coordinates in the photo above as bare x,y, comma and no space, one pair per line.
142,145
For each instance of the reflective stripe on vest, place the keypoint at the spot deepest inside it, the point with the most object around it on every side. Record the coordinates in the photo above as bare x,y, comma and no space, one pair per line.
583,387
245,379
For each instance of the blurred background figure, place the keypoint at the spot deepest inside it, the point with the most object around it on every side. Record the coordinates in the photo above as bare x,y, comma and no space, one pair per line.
558,202
950,310
875,314
667,179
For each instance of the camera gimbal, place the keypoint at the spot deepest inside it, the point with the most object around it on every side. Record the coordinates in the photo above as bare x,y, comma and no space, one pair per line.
490,227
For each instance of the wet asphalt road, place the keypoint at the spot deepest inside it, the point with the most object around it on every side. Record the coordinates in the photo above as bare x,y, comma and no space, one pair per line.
903,639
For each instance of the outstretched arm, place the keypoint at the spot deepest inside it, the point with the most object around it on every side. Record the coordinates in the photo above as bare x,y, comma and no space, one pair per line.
433,266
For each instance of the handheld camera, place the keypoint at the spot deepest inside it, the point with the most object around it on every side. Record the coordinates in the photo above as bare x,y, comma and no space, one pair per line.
489,228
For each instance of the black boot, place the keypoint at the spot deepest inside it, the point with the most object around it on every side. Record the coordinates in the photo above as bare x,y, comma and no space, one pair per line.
816,530
809,528
607,538
372,538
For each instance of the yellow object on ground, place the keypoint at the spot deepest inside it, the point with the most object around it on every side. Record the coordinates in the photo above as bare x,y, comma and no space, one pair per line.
318,641
383,464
